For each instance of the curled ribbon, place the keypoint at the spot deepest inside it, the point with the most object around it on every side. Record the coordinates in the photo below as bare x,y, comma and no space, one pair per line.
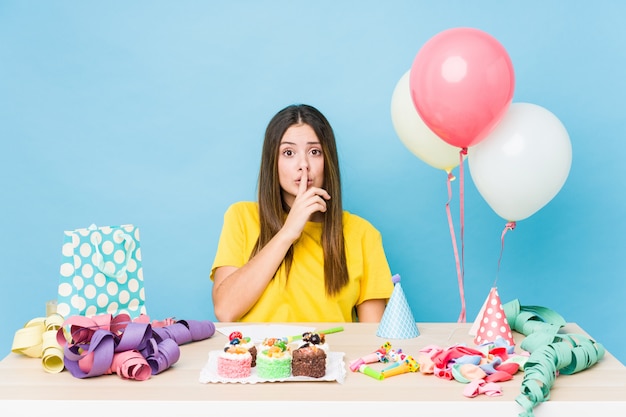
37,339
107,344
551,353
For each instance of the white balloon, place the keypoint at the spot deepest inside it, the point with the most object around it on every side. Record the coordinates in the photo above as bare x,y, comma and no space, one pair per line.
414,133
523,163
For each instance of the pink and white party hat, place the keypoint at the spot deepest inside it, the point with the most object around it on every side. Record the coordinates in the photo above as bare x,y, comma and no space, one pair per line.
398,321
491,322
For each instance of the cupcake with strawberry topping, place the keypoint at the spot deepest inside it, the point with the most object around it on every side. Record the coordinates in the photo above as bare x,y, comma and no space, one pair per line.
237,339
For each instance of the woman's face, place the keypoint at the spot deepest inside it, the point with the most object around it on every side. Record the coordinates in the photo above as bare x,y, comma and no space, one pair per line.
299,150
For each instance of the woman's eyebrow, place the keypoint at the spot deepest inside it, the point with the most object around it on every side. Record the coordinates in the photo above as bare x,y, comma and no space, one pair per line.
308,143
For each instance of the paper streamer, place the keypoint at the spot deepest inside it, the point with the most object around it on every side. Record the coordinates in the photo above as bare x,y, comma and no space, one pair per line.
38,340
133,349
107,344
551,353
532,319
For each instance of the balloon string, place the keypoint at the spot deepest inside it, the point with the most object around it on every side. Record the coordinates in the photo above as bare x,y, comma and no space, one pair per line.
507,227
459,264
462,153
456,251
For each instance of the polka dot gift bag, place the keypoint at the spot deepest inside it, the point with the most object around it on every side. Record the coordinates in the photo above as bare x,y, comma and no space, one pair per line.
101,272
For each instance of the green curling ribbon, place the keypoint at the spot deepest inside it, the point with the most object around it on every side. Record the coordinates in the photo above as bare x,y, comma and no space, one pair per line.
532,319
551,353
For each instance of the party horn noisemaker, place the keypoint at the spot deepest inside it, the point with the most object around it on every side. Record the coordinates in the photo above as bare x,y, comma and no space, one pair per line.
364,369
327,331
379,355
408,365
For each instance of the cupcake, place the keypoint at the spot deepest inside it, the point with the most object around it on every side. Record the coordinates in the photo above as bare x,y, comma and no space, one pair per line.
273,359
309,359
237,339
234,362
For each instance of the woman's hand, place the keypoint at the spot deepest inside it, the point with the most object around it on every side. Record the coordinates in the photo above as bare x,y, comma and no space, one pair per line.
307,203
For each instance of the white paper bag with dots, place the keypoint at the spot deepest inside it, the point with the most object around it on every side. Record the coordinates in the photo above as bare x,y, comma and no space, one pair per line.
101,272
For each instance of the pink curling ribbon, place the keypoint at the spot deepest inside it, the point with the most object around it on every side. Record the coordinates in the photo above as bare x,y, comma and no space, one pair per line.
131,365
106,344
462,317
460,268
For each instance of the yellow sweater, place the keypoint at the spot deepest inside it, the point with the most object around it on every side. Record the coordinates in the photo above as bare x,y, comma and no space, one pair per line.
302,297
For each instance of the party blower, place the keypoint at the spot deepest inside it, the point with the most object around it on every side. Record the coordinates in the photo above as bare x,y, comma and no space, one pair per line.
409,364
379,355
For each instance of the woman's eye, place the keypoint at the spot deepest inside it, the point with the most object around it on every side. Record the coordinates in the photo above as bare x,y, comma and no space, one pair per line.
316,152
288,152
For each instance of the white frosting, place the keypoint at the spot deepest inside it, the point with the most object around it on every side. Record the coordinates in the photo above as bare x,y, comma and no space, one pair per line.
236,356
247,345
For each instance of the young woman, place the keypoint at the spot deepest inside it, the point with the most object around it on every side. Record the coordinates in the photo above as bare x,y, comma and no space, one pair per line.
296,255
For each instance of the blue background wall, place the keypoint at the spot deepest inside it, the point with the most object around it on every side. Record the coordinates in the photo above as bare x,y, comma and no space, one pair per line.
152,113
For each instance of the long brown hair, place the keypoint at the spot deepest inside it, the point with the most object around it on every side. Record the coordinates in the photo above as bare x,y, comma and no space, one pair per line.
272,208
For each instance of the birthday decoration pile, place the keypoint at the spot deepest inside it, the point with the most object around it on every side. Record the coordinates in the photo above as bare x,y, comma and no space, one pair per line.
456,102
106,344
551,353
481,367
545,354
38,339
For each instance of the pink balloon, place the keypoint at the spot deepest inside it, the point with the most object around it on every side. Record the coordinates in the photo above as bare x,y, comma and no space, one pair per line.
462,84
